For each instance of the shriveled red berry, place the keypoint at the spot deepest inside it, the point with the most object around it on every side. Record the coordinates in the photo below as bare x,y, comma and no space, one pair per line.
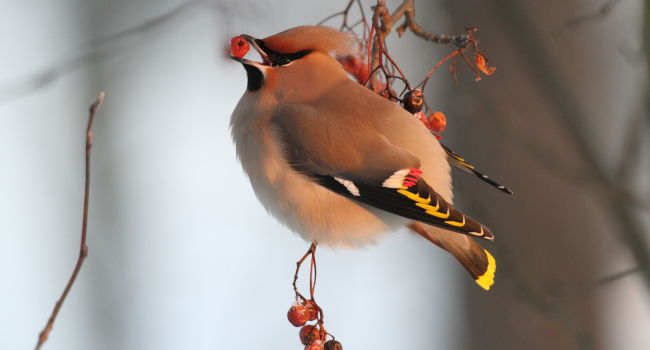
333,345
413,101
437,122
298,315
317,345
482,65
422,118
309,334
313,309
239,47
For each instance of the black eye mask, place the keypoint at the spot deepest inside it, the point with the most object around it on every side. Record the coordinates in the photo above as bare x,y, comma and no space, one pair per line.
280,59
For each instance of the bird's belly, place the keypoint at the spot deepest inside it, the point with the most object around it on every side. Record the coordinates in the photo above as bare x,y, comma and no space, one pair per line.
314,212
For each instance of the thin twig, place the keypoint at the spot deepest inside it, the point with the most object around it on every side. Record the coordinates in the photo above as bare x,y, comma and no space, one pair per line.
94,52
301,299
310,251
346,27
83,248
334,15
423,83
407,9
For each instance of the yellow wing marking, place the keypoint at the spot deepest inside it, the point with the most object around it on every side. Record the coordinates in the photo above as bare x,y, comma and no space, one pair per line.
461,160
438,214
467,164
456,223
424,203
413,196
486,280
428,207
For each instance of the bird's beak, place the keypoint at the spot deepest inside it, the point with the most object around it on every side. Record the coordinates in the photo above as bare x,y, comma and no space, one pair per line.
257,45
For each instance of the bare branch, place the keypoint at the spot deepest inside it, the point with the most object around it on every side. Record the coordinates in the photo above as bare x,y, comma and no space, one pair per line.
83,248
408,10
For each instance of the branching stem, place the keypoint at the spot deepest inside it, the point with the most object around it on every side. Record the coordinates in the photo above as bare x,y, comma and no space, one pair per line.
83,247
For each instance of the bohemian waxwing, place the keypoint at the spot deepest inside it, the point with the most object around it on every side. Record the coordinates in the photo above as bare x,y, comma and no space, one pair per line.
339,164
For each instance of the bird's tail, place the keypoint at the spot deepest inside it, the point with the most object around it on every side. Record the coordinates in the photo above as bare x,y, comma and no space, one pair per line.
477,261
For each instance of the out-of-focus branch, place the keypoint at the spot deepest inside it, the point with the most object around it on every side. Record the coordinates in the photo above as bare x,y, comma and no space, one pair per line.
101,49
525,291
498,118
568,172
571,290
88,54
631,152
83,247
523,288
572,116
603,11
646,50
549,302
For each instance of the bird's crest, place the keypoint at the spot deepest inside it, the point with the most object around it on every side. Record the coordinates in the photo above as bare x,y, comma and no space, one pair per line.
313,38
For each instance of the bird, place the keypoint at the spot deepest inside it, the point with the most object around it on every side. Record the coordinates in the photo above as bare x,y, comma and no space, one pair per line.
337,163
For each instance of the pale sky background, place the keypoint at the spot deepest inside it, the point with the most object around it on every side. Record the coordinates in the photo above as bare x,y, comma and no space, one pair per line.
181,254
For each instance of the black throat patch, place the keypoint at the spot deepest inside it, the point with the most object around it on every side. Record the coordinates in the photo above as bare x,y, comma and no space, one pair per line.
255,77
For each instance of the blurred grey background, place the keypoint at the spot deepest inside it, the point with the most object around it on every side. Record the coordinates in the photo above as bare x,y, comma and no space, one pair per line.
183,257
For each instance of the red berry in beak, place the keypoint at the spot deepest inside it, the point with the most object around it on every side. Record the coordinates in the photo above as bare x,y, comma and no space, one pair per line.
239,47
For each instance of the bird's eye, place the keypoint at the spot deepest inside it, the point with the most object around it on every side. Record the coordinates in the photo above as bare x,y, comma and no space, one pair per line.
282,60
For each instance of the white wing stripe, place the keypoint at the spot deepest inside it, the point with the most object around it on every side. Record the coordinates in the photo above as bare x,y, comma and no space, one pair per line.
349,185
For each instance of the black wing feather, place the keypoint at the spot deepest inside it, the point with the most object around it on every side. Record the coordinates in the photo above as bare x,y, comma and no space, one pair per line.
460,163
418,202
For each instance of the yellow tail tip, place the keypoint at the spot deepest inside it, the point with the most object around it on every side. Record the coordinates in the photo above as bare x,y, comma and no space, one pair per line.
486,280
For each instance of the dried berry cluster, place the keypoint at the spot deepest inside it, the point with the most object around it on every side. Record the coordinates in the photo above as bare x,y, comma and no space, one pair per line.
413,102
314,337
301,312
375,68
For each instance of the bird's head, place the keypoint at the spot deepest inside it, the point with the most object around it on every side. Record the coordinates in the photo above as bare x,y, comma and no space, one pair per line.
295,56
